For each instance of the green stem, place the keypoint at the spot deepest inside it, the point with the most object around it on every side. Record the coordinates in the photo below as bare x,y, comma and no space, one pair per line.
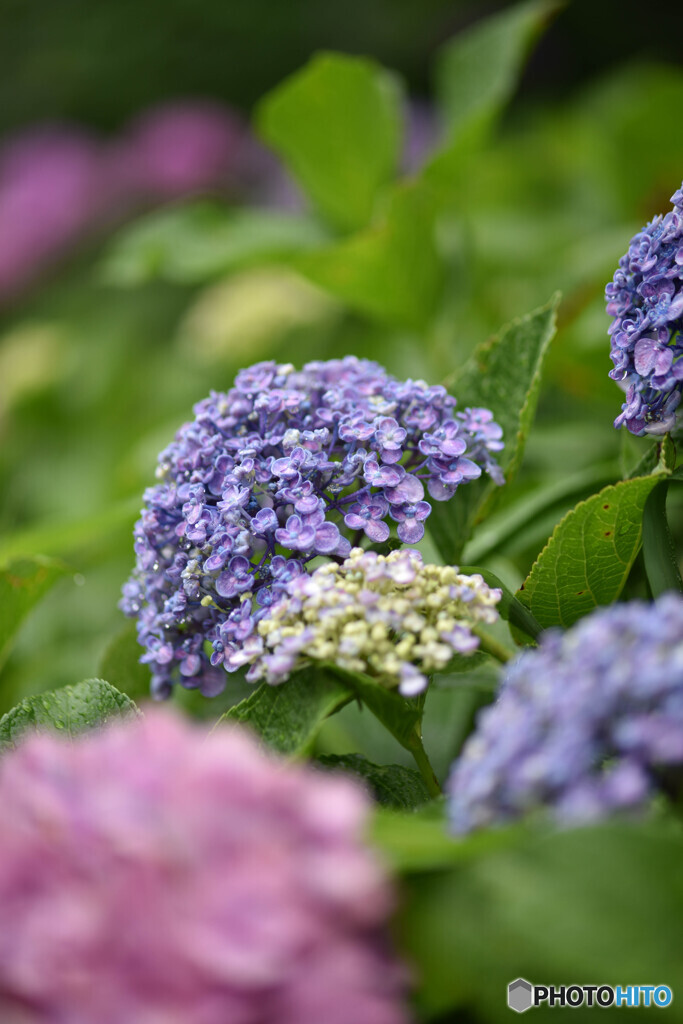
490,645
400,716
422,761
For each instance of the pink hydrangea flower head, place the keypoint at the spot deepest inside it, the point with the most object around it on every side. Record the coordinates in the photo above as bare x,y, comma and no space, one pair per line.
182,147
49,179
152,873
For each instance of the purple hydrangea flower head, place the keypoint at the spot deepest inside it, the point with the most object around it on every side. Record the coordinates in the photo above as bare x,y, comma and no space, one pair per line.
588,723
645,301
285,467
152,872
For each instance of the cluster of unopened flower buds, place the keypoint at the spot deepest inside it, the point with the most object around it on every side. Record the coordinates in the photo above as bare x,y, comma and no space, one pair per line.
388,616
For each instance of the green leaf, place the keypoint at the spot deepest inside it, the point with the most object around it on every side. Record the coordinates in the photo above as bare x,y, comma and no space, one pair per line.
512,610
402,717
478,70
504,375
392,785
120,664
601,905
198,241
288,717
392,270
659,550
475,76
337,125
23,582
661,456
399,715
420,841
68,711
589,555
506,523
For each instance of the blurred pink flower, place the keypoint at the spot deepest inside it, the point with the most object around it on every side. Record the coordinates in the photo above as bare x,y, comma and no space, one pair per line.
153,874
58,184
181,147
49,192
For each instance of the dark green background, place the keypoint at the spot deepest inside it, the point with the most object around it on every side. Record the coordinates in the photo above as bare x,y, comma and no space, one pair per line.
99,62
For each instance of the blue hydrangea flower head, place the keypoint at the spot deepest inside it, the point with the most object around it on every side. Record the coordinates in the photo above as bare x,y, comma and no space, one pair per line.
645,301
287,466
588,723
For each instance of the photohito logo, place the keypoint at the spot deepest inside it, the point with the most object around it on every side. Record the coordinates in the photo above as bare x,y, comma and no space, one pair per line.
522,995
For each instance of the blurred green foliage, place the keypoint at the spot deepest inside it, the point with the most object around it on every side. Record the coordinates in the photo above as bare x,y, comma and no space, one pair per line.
103,362
102,62
566,906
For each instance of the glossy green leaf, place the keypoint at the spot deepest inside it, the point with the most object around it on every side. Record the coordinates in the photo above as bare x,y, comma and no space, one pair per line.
196,242
503,375
337,126
391,271
287,717
67,712
392,785
595,905
23,582
589,555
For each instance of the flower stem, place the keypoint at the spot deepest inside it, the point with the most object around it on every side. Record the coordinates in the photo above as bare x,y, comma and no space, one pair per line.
491,646
422,761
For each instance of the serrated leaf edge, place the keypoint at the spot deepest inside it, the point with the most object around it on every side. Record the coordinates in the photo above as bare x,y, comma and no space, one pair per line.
522,592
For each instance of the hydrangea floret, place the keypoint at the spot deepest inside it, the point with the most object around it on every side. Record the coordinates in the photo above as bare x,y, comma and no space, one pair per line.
645,300
388,616
153,872
589,723
286,467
